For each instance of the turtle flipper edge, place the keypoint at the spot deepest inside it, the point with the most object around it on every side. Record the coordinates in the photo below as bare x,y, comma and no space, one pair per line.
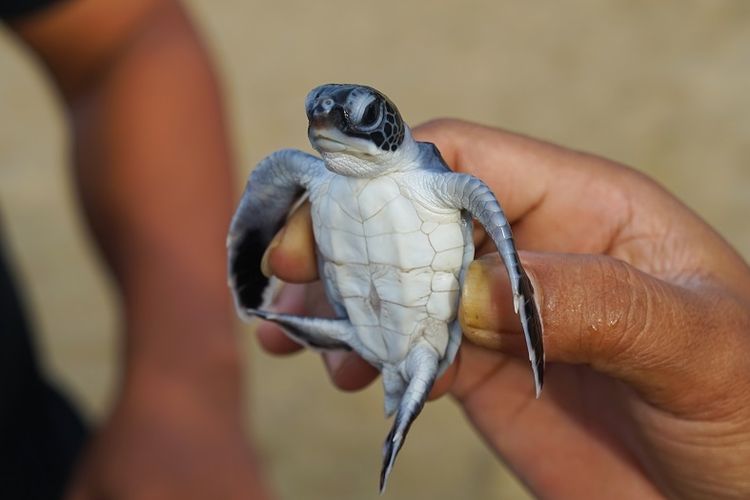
532,329
316,333
471,194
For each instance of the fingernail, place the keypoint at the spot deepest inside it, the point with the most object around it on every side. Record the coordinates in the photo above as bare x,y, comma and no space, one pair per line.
506,342
265,266
486,303
334,360
475,293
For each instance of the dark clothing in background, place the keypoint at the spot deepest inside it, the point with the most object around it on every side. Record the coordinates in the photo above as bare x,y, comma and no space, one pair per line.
11,9
41,434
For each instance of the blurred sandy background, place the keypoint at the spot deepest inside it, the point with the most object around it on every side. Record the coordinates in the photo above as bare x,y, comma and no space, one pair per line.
660,86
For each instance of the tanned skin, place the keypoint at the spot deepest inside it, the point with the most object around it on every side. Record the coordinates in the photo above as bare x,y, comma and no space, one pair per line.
153,169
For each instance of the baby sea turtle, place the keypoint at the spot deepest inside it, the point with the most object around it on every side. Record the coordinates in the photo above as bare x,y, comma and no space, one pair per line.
393,227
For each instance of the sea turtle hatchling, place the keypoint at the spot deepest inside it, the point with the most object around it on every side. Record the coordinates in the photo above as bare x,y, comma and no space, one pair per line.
393,227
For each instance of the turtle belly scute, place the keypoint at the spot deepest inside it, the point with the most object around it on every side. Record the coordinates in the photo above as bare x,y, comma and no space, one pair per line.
391,262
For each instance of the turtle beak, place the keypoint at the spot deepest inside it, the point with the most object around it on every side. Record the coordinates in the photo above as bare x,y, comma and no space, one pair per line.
320,121
326,122
324,131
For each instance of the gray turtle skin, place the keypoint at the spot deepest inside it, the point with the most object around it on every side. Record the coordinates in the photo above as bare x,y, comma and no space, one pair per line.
393,227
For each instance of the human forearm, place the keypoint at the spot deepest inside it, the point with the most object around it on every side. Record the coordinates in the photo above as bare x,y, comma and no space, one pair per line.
153,170
152,167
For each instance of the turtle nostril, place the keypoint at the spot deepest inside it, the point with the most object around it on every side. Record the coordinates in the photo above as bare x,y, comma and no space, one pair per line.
318,110
326,113
324,106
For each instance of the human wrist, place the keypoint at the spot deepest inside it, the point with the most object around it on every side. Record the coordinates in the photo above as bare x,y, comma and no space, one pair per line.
185,346
211,389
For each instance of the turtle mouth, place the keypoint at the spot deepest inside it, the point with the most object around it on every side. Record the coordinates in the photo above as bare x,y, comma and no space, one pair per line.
328,139
326,142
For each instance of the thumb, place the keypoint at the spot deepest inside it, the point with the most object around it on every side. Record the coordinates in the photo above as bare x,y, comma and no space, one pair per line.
595,310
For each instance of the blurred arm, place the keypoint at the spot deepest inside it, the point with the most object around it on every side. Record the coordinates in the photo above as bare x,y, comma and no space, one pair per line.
152,165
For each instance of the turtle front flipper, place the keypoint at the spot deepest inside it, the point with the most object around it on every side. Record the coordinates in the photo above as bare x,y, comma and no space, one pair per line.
469,193
271,190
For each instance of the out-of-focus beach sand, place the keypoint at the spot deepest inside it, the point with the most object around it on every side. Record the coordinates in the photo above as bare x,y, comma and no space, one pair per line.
659,86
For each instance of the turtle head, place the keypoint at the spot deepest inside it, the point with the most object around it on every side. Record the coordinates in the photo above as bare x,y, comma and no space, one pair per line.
355,120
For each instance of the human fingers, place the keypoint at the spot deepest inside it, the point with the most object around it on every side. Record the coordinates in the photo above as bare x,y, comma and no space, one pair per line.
290,299
291,254
290,257
307,299
673,344
347,370
561,200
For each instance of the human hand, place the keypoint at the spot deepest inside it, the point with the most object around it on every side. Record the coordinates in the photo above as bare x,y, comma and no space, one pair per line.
166,441
647,329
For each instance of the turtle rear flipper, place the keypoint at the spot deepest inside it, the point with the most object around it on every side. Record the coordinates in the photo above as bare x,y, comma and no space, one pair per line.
421,371
316,333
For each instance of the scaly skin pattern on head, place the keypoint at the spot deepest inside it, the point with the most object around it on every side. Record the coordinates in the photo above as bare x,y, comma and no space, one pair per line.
393,228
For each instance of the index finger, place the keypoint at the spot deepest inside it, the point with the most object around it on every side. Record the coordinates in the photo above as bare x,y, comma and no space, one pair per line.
540,186
565,201
291,254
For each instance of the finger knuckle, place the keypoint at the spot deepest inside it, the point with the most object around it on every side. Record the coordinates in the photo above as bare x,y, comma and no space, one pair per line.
617,320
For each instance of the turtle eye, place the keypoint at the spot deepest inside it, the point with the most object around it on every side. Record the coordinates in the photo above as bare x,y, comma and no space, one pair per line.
371,114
